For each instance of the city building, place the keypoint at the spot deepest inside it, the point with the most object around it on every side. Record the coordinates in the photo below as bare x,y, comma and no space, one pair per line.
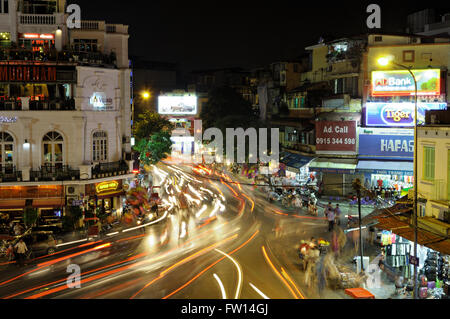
433,172
429,22
65,111
386,137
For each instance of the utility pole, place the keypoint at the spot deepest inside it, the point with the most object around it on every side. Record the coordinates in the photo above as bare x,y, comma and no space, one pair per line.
357,188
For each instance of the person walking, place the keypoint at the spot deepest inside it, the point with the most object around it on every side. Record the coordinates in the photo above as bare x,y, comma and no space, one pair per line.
337,214
330,218
21,249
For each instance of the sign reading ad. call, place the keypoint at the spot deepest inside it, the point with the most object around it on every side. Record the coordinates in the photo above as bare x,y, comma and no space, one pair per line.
174,105
401,83
398,114
334,136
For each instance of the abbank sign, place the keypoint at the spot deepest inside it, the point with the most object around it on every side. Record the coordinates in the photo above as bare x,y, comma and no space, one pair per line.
398,114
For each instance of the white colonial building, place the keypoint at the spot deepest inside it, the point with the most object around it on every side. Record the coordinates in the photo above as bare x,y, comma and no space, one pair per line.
65,109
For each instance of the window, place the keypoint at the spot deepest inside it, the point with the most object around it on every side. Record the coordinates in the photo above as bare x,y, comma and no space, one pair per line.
408,56
448,174
4,7
85,45
100,146
378,38
421,209
52,145
428,163
6,152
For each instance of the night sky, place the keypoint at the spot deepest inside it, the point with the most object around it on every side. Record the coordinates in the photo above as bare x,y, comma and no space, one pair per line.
210,34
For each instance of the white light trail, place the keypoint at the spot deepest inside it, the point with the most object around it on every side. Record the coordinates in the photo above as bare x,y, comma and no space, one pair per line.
222,289
259,291
201,211
238,289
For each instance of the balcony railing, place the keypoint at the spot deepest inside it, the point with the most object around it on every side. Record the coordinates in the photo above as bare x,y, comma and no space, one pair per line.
8,173
109,169
65,56
43,19
49,105
55,173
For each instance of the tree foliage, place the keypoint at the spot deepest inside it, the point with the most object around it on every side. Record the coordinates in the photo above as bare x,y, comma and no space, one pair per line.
154,149
149,123
152,132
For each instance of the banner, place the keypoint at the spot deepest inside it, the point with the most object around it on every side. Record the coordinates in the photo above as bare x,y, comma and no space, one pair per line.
376,143
398,114
401,83
336,137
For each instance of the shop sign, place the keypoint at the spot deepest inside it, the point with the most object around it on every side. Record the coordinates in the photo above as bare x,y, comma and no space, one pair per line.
45,36
22,73
99,101
379,143
401,83
105,187
334,136
398,114
8,119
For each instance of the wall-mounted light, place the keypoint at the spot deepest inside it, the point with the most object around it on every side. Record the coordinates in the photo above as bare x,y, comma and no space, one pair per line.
132,141
26,144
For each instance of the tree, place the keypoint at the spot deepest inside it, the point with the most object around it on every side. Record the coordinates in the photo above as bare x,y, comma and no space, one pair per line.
152,137
154,149
30,216
149,123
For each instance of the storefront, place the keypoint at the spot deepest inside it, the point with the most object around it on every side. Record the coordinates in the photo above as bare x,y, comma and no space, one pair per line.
386,158
335,139
107,196
297,166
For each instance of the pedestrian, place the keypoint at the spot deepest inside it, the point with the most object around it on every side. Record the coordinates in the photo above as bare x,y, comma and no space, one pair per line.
337,213
327,209
330,218
17,229
21,249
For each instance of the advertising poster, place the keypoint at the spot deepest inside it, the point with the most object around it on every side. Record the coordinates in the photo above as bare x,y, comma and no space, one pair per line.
398,114
401,83
334,136
174,105
386,143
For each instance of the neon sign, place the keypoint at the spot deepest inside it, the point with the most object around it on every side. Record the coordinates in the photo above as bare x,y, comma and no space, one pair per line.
401,83
104,187
38,36
398,114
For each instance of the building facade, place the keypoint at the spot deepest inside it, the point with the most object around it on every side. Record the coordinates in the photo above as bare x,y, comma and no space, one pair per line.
65,112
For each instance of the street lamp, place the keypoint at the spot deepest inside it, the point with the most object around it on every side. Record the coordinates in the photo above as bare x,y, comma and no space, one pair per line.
384,61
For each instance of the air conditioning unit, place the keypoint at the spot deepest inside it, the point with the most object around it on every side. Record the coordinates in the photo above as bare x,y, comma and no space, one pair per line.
70,190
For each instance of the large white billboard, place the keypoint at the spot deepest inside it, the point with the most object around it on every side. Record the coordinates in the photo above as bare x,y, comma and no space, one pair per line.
174,105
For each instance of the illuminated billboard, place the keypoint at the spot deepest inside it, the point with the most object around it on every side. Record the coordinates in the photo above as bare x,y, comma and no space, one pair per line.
398,114
177,105
401,83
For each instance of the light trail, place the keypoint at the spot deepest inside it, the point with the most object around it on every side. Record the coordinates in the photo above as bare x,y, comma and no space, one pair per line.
285,274
259,291
277,272
181,262
238,267
253,203
209,267
222,289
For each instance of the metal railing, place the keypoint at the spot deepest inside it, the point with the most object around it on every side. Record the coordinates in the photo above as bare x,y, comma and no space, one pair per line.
50,105
110,169
8,173
55,173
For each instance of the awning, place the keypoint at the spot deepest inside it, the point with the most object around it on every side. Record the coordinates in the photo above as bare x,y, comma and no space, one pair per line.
334,165
294,161
12,203
110,195
48,202
387,167
400,226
